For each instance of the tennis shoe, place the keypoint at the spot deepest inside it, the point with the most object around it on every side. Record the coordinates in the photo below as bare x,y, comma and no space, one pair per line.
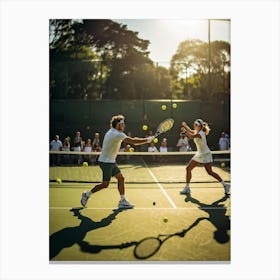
124,204
185,190
84,199
226,187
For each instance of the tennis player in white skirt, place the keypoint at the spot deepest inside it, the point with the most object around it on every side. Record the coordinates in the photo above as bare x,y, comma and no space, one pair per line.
203,155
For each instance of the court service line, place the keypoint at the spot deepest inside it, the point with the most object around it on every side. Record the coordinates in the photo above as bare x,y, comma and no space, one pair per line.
160,186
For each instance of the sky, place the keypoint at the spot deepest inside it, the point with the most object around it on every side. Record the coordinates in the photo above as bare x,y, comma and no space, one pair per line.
166,35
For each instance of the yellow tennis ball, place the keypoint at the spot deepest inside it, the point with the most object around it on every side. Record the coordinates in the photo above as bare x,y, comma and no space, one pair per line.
131,150
223,164
165,219
58,180
85,163
163,107
155,140
144,127
174,105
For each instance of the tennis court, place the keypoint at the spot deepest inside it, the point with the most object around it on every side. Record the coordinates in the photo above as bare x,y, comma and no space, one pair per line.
198,226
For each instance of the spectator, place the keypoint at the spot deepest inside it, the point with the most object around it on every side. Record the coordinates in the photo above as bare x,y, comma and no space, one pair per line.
223,142
96,144
66,145
151,149
183,143
163,149
66,148
78,146
122,148
88,148
78,142
227,136
127,148
55,145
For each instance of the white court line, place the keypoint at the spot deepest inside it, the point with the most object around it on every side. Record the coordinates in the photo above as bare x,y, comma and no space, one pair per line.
165,208
160,186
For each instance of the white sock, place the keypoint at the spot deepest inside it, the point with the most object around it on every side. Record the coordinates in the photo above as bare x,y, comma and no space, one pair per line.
187,185
122,196
223,183
89,193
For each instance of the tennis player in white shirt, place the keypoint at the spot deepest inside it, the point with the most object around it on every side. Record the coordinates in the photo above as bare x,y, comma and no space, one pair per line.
203,154
107,160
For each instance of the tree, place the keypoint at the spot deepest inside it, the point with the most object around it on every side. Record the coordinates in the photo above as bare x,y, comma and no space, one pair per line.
190,65
119,51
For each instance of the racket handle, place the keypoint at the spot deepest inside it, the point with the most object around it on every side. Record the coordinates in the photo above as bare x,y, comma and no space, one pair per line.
157,134
150,139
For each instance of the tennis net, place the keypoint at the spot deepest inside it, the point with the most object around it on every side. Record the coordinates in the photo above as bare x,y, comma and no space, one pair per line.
137,167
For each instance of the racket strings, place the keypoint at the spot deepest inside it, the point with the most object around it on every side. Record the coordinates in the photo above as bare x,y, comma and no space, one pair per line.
166,125
147,248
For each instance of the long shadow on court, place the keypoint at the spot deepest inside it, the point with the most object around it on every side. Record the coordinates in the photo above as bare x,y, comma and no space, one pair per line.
217,216
149,246
69,236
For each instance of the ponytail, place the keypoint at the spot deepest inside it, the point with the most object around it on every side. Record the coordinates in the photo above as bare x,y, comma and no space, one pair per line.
205,128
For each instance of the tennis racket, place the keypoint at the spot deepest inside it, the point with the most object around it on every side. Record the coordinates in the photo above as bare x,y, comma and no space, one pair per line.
164,126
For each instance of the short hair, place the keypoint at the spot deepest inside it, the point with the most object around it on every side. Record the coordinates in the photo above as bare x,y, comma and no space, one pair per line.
115,120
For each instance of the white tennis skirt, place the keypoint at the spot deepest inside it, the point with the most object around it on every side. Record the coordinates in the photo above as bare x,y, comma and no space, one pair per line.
203,158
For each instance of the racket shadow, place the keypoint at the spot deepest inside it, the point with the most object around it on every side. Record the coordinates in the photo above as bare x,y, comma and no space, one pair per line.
149,246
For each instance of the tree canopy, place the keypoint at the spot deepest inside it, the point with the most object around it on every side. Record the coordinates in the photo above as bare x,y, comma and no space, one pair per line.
103,59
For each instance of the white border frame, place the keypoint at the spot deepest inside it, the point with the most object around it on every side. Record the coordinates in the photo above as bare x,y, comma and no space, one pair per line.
24,112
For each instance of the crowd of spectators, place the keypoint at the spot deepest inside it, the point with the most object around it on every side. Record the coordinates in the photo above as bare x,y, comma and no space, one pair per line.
95,145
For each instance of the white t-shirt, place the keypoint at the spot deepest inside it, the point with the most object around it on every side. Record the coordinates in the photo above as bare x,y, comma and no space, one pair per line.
163,149
88,149
56,145
201,143
185,143
152,149
66,149
224,143
111,145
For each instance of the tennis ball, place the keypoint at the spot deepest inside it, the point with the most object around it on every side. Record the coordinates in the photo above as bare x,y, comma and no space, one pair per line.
165,220
144,127
58,180
131,150
155,140
163,107
85,163
223,164
174,105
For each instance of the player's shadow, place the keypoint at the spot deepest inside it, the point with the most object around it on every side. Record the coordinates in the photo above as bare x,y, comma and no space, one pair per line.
69,236
145,252
217,216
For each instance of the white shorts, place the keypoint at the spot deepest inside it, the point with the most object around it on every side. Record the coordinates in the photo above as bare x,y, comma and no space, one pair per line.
203,158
